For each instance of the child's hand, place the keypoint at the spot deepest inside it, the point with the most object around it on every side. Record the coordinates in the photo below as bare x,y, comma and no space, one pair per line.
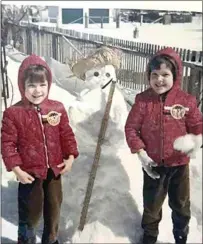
67,164
23,176
148,164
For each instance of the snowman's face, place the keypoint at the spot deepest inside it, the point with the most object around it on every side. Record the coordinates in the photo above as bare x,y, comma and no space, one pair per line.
99,76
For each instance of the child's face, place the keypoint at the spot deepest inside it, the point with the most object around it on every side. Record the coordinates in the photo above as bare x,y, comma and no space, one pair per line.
161,80
36,92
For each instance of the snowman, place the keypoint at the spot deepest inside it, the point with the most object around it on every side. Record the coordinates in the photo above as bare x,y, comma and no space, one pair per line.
112,213
98,71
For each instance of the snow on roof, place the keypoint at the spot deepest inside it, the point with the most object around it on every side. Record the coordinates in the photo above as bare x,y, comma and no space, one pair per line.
195,6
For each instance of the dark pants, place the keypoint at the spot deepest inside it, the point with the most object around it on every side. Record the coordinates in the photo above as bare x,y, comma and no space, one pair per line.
33,199
175,182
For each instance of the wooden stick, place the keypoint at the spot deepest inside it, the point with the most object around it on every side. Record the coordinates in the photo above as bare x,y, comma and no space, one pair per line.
96,157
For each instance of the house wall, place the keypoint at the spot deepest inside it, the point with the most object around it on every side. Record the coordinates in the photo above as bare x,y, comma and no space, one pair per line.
69,15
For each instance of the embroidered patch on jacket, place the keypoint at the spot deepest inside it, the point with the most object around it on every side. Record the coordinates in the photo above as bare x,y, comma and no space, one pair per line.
53,118
177,111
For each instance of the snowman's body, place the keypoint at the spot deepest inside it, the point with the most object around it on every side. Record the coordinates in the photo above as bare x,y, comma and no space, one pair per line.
112,210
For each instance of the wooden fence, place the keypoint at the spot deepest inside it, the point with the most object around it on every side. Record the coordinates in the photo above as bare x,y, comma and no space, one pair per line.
50,41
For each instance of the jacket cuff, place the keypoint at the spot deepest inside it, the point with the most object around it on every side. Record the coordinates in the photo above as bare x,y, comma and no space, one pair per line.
75,155
136,150
9,166
12,161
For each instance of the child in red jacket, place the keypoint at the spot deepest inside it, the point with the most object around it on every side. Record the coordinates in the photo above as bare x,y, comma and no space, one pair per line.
38,145
160,118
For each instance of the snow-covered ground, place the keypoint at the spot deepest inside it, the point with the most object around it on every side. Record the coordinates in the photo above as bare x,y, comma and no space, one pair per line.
181,35
116,205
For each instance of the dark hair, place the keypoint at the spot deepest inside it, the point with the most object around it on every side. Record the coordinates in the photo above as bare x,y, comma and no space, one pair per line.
157,61
35,74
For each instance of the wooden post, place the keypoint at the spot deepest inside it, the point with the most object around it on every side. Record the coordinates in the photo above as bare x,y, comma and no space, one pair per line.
191,84
29,41
5,89
39,42
167,19
54,46
102,22
141,19
193,58
118,20
86,20
136,32
200,89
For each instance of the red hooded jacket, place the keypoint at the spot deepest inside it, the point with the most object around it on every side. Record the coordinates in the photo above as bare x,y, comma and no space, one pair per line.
151,126
28,142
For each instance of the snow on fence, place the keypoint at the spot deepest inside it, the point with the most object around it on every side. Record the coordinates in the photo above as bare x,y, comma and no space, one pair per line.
67,46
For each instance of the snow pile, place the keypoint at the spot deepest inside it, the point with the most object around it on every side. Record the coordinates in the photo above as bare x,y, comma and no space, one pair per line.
115,208
189,34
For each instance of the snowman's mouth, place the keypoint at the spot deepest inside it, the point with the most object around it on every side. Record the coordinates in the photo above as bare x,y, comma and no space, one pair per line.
104,86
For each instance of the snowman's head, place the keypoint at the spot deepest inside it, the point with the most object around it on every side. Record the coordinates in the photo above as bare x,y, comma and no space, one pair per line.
97,69
100,76
103,58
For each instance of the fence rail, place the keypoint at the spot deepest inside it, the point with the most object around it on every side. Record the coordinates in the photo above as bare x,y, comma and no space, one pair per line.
50,41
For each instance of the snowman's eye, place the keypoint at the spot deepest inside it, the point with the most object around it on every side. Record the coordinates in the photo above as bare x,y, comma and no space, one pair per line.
96,74
108,75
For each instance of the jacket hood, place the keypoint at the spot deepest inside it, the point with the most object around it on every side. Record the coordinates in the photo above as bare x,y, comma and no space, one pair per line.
175,59
31,60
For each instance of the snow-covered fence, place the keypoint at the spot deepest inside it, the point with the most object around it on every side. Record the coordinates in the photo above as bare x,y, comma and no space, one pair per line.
50,41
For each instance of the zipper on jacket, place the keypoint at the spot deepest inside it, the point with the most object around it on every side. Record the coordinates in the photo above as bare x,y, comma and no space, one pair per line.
162,130
43,134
